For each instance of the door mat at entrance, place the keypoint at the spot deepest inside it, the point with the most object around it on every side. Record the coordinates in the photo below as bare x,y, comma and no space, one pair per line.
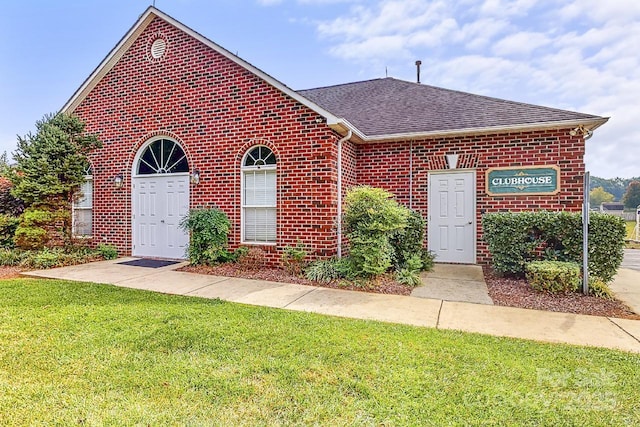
151,263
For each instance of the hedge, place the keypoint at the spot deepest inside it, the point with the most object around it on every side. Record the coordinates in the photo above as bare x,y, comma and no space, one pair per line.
514,239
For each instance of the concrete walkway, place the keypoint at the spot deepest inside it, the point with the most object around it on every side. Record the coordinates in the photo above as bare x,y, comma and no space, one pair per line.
464,283
631,259
593,331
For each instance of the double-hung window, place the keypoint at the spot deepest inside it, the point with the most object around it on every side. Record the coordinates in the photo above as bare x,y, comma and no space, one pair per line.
82,209
259,196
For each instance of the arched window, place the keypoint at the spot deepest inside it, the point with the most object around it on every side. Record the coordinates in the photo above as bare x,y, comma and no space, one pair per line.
162,156
82,207
259,195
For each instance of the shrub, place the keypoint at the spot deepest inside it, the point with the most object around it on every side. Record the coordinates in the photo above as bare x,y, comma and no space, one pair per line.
428,259
209,230
293,258
514,239
408,241
253,259
553,276
107,251
31,232
371,218
325,270
408,277
599,288
9,204
11,257
8,226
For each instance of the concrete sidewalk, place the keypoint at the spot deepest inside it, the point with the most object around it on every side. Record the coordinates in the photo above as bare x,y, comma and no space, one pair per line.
451,282
536,325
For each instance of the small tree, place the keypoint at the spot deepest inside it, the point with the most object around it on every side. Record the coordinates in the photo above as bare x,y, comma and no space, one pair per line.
598,196
631,198
50,166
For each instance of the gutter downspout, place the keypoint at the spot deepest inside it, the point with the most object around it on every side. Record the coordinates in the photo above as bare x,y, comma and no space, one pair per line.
339,214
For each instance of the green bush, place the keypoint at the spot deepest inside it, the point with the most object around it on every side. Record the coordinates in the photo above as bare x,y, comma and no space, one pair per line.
11,257
598,288
8,226
371,218
45,258
409,240
428,259
408,277
514,239
325,270
553,276
209,230
293,258
31,233
107,251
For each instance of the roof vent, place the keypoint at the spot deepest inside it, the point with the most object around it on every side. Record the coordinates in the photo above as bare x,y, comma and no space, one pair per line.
158,48
418,64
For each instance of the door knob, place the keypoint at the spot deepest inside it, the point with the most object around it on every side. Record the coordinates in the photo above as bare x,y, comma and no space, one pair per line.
162,221
469,223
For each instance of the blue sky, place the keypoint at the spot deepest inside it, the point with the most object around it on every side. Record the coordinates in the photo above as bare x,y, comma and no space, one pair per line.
581,55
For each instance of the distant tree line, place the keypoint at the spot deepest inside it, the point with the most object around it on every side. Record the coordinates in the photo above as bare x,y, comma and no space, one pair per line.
615,186
625,190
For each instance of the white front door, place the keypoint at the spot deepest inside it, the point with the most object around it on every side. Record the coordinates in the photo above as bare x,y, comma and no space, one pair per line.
452,216
159,202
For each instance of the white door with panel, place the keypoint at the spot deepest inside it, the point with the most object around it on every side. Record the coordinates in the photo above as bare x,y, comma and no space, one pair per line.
159,202
452,216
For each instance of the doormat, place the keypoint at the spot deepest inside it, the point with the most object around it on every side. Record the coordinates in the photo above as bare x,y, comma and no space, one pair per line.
150,263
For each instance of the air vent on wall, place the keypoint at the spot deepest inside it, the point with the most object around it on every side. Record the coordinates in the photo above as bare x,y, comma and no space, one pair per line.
158,48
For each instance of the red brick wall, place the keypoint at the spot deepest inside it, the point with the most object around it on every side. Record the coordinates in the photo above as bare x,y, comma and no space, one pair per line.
387,166
216,110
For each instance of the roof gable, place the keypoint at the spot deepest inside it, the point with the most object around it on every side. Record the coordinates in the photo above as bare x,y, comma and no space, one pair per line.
139,27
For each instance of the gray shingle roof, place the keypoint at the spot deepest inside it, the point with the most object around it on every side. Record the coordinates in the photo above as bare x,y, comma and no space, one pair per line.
389,106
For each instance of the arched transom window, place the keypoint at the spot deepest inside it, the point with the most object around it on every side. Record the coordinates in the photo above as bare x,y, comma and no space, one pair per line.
259,196
162,156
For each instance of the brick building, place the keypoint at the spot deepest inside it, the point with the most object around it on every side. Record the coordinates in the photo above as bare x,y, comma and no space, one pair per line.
187,124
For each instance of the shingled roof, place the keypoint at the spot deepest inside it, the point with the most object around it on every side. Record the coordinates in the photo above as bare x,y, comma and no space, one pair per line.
387,107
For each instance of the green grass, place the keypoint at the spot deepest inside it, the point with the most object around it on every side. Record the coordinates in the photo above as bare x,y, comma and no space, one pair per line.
630,226
78,353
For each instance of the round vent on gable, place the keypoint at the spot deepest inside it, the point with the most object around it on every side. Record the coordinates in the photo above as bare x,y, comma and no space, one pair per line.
158,48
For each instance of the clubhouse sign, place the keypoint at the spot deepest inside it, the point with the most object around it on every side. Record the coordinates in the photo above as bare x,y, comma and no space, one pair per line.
525,180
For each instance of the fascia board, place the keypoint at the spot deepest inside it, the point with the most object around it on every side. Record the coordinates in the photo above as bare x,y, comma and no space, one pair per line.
591,124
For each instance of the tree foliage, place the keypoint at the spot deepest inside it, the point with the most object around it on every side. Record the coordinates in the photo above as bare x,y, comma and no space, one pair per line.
51,165
631,198
615,186
598,196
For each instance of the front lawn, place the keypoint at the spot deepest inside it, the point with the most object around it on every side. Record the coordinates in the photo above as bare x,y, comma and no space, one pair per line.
86,354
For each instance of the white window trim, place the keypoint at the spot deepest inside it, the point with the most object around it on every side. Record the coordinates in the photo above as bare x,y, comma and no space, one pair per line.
243,170
75,208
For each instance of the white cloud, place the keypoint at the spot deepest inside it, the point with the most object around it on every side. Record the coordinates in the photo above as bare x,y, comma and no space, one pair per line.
523,43
581,56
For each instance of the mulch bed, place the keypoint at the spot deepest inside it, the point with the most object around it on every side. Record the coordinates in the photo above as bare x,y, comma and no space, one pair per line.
9,272
383,285
517,293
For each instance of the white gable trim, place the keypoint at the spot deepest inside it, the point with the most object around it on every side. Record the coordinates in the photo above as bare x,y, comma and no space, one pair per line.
343,125
145,19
